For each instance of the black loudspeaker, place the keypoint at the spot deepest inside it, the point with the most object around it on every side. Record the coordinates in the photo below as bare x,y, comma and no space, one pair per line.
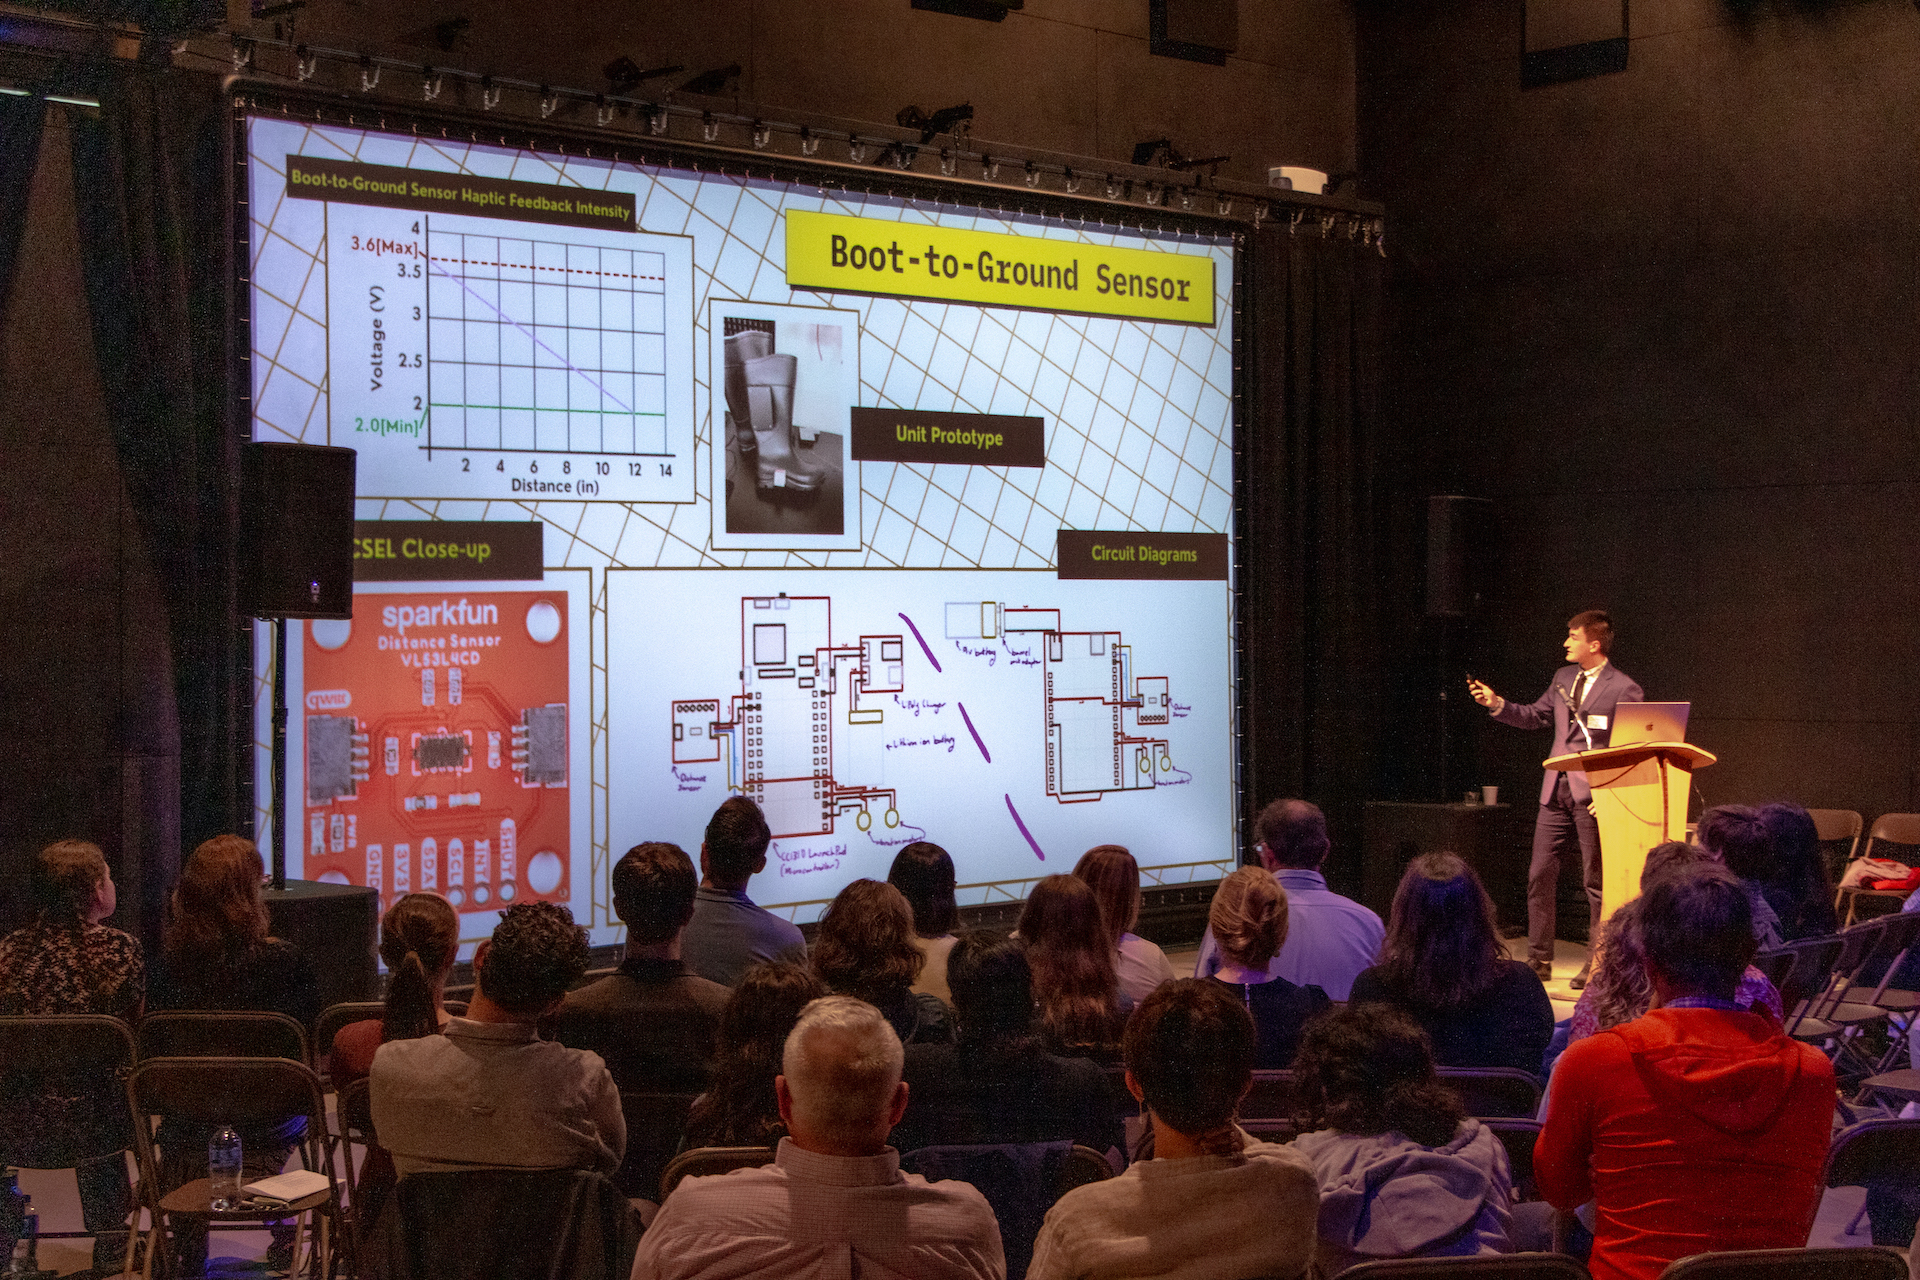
1456,554
338,926
296,531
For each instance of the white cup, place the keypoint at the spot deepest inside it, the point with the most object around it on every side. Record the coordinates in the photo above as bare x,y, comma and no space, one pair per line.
1489,795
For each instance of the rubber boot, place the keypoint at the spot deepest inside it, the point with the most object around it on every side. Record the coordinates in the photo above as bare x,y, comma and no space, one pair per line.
770,404
749,344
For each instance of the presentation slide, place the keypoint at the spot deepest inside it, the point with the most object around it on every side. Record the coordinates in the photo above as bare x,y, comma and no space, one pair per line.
905,518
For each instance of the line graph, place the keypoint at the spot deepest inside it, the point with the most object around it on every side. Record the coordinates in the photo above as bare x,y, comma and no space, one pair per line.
542,346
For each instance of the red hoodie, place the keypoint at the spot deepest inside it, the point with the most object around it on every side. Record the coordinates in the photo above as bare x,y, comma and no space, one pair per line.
1693,1130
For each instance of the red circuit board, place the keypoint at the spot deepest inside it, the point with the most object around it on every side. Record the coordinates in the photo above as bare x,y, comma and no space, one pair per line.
437,747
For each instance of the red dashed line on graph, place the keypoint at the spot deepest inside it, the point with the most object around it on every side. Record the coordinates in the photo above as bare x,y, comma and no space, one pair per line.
528,266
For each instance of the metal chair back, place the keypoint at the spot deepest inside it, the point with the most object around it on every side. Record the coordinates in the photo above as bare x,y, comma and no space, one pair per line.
1876,1153
1776,964
655,1123
219,1033
336,1016
707,1162
1495,1091
1790,1264
75,1055
1813,961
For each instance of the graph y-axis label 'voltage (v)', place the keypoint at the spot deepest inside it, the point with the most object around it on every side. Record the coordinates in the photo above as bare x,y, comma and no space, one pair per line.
495,354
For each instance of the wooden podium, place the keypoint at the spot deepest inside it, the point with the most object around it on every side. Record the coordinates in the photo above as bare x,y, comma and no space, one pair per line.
1640,800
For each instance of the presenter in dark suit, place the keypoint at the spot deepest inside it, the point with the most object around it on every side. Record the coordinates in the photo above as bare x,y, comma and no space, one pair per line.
1566,819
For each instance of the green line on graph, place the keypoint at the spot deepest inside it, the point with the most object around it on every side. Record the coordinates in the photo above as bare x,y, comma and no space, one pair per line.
528,408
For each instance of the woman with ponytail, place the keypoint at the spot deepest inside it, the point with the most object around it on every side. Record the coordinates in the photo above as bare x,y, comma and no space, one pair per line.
1404,1172
1249,923
418,938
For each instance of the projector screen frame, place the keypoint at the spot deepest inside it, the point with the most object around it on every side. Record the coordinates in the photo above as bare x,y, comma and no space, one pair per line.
248,101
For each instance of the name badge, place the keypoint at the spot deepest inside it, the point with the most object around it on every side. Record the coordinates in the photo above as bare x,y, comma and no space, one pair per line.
1596,722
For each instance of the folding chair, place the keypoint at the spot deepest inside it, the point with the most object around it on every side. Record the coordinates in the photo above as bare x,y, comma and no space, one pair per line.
1518,1137
1495,1091
1838,831
1826,1017
1511,1266
1896,938
1813,961
484,1224
1020,1181
1790,1264
353,1111
1269,1112
205,1092
211,1033
336,1016
708,1162
84,1057
1901,830
1776,963
1875,1153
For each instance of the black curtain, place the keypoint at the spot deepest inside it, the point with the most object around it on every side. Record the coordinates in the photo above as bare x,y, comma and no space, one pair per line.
151,193
1313,558
21,122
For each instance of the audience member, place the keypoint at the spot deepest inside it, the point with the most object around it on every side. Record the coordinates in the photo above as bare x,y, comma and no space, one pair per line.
419,938
997,1083
924,874
1110,871
728,933
740,1108
1330,939
1696,1127
1620,991
1799,890
834,1201
216,953
1736,835
68,961
864,949
1443,964
653,1022
1248,920
1212,1202
1404,1171
1074,985
488,1093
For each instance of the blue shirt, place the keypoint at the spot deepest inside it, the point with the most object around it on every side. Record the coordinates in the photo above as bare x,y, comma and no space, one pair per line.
1330,939
728,935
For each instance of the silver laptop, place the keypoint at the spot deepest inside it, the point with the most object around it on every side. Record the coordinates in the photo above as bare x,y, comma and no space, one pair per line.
1649,722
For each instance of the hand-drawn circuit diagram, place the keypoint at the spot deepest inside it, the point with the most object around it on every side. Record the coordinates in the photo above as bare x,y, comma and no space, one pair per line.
802,693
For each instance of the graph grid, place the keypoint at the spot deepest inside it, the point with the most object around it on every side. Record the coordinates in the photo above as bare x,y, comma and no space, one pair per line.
539,346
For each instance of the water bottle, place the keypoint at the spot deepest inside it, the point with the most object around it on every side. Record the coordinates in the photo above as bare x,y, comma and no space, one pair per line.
223,1168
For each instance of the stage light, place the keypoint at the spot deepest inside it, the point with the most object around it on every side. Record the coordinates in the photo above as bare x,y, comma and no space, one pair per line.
1073,182
549,102
369,74
808,143
1113,188
1222,205
602,112
242,54
945,120
761,135
1153,193
948,164
1033,174
1186,197
709,127
989,168
305,64
430,82
657,120
1259,212
857,150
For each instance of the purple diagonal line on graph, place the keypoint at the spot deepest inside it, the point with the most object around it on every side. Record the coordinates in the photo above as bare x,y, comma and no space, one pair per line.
536,338
930,658
1034,844
975,732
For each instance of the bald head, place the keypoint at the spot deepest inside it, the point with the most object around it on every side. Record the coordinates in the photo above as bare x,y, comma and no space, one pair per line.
840,1084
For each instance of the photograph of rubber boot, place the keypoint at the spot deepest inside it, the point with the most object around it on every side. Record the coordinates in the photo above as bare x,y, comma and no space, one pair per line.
749,344
780,465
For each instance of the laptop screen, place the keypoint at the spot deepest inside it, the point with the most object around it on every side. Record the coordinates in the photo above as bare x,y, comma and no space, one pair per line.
1649,722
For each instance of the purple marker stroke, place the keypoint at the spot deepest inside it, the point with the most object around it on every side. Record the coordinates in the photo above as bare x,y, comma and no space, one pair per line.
1031,842
975,732
923,647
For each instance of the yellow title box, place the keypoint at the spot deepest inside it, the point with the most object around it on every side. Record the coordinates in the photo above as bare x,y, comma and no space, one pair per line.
837,253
